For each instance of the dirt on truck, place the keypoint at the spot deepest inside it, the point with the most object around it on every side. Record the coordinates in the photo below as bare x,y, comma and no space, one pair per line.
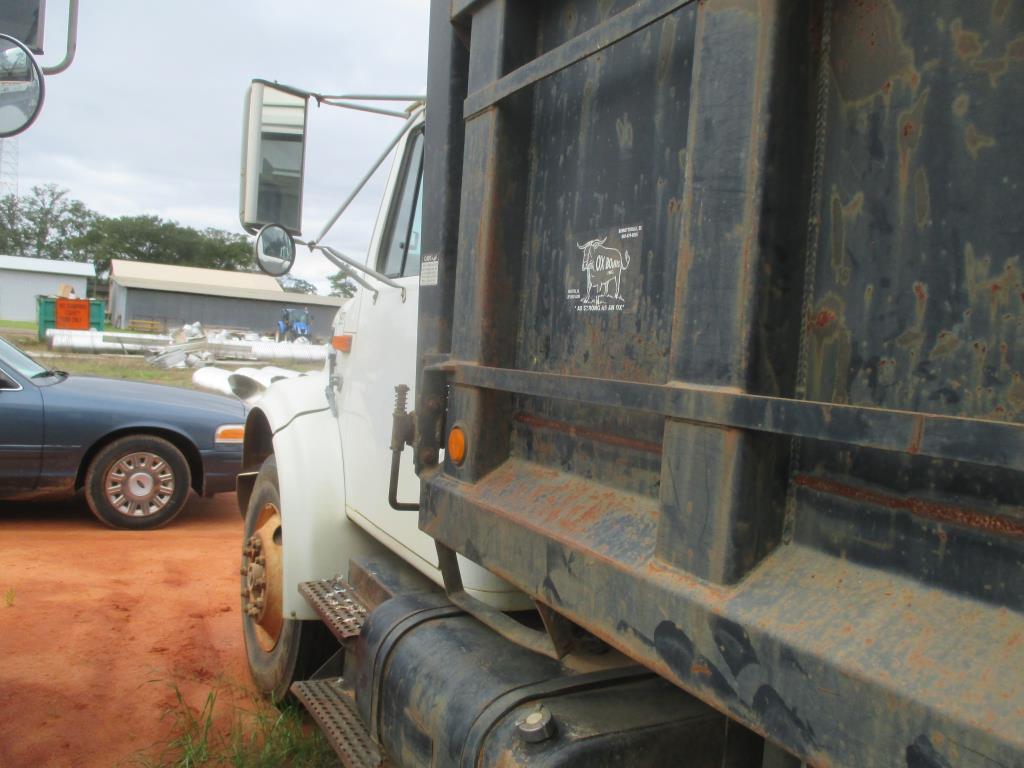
711,319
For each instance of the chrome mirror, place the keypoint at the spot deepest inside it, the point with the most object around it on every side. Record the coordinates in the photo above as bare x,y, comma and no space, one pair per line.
273,155
21,87
275,250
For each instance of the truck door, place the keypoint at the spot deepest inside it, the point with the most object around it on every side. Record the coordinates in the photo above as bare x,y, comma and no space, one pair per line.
383,354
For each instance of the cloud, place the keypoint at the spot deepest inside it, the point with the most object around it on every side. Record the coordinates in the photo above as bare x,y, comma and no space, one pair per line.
148,118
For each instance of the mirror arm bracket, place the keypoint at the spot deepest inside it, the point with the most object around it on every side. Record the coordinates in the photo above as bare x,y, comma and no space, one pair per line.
366,177
347,262
72,43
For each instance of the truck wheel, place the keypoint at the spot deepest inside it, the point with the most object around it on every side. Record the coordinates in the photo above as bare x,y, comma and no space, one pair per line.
280,651
137,482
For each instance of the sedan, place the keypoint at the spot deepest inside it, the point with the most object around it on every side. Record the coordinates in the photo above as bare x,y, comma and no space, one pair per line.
136,449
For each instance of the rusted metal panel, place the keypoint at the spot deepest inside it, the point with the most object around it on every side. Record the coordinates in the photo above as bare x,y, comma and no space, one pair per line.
843,663
736,341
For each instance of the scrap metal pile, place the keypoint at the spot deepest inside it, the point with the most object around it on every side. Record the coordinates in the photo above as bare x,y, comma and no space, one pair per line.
189,346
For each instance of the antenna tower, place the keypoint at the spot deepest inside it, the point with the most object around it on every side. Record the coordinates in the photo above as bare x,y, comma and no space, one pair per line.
9,167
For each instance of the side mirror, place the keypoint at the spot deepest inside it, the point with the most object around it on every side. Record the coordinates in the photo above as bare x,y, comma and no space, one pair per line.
274,250
273,153
21,87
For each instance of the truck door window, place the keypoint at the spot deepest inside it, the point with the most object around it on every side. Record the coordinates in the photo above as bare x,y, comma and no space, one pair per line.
400,253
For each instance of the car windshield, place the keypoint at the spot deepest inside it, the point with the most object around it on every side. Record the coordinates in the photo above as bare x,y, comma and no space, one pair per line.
19,361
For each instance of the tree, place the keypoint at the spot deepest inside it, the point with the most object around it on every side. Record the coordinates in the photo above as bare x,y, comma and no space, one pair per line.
150,238
49,224
296,285
341,285
46,224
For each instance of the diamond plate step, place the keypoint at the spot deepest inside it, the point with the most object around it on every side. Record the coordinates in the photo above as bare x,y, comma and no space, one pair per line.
335,713
336,603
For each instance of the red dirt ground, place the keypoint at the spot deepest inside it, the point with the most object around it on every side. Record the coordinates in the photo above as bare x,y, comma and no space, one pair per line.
105,623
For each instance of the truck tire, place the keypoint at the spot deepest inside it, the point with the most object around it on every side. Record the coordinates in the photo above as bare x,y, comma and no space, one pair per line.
138,482
279,650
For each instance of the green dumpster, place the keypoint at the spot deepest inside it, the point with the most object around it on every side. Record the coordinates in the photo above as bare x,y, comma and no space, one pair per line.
68,314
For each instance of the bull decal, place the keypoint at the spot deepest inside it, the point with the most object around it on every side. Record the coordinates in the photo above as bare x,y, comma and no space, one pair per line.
604,267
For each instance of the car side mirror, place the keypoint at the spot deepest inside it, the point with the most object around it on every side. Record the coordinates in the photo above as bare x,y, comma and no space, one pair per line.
273,155
21,87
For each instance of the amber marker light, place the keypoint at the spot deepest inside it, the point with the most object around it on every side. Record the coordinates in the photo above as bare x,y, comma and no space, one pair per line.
229,433
342,343
457,445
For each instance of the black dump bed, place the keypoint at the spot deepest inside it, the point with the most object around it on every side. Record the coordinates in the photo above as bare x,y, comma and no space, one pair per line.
729,303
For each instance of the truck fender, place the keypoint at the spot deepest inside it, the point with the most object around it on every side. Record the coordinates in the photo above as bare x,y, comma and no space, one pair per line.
293,420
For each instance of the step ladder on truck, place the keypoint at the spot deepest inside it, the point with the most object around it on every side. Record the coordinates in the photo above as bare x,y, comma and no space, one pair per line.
711,320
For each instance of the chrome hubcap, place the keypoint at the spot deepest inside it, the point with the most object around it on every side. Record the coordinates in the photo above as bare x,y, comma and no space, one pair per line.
139,484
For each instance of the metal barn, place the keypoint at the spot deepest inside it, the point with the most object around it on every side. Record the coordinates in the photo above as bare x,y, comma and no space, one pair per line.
162,296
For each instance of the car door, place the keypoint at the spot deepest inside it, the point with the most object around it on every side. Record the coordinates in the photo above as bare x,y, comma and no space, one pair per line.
21,433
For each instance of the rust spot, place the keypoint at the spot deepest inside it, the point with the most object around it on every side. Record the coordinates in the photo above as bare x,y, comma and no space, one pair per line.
920,292
911,126
1016,393
868,51
976,141
960,104
922,198
966,44
840,215
918,435
700,669
608,438
945,345
944,513
994,68
823,318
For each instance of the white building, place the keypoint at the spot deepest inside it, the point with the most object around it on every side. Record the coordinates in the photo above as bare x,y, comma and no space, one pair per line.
23,279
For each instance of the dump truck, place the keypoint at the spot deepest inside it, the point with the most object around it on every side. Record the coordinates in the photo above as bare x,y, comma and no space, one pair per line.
717,434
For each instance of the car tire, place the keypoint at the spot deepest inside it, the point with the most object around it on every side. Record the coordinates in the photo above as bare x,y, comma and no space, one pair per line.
279,650
138,483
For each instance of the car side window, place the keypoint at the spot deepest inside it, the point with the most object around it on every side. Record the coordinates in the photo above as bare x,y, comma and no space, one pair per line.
6,382
400,248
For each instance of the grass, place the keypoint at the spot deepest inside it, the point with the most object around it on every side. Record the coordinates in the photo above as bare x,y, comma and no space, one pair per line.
132,367
261,737
9,598
19,325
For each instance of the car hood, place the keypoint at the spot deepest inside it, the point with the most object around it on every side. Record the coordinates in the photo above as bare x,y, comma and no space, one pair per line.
143,398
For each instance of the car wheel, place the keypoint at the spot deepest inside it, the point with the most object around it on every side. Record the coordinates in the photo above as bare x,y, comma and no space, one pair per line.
137,482
279,650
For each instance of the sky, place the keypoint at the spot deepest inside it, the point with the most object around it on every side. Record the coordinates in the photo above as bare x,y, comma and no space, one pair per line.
148,119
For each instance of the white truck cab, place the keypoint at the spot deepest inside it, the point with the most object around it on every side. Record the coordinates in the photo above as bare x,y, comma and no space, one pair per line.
316,466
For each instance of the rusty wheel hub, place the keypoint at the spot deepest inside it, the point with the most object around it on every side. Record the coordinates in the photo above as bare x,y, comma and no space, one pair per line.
255,578
262,578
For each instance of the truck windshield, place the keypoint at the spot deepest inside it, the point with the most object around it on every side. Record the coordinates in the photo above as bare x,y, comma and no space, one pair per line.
18,360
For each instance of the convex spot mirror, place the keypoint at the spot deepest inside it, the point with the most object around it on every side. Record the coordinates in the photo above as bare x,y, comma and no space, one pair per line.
273,155
21,87
275,250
